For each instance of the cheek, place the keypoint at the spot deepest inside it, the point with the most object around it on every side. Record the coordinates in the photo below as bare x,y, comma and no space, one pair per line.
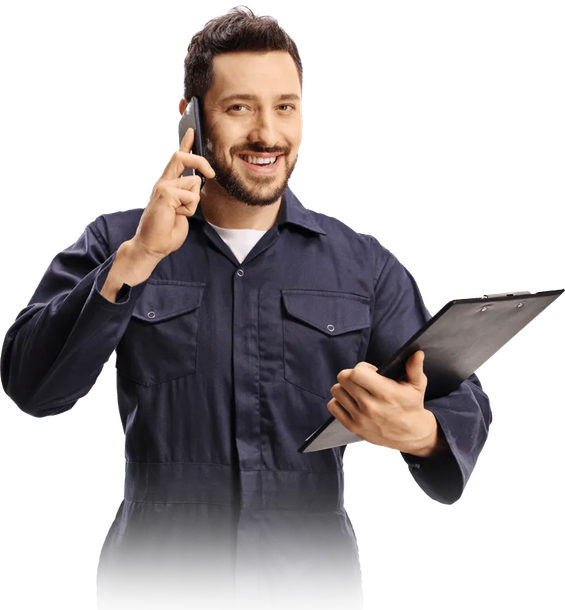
292,139
298,127
222,153
226,131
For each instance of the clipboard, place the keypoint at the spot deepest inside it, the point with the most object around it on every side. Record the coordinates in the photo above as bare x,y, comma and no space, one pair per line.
461,337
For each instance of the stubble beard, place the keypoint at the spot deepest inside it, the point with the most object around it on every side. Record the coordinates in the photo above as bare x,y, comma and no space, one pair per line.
265,193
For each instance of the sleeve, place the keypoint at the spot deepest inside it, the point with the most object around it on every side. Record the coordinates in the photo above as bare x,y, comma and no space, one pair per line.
57,346
463,416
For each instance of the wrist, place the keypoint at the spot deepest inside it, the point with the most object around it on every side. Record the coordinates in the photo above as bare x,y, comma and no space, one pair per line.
138,254
432,442
132,265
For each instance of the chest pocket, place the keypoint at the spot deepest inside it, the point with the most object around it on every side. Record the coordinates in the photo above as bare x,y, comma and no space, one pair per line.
161,339
322,332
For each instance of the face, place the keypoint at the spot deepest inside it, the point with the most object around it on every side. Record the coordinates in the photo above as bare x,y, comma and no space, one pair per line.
253,115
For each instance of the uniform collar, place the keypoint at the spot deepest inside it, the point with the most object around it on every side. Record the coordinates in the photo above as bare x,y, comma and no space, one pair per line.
291,211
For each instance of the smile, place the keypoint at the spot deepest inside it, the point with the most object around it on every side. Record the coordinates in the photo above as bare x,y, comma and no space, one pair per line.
261,164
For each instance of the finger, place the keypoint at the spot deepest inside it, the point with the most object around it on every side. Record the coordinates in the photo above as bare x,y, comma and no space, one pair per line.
186,210
187,140
188,183
344,399
368,365
196,162
340,413
415,371
362,382
182,158
185,197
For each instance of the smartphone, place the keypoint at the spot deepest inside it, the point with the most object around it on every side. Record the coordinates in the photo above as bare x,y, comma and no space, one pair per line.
192,118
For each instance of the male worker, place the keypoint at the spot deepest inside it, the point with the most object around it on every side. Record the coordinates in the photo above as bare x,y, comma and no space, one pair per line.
240,321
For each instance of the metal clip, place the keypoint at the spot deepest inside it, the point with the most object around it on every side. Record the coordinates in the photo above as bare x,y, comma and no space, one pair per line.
505,294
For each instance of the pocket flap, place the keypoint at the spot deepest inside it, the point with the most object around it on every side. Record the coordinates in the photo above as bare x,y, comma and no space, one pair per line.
162,300
333,313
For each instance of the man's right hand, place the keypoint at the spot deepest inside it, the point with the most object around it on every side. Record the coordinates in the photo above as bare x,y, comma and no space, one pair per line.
162,228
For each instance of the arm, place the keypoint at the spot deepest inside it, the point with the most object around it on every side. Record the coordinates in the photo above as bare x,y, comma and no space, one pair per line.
57,346
463,417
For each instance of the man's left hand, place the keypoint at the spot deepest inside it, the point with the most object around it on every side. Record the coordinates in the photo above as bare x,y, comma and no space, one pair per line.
386,412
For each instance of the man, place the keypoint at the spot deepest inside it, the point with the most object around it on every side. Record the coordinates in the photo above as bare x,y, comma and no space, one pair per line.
240,320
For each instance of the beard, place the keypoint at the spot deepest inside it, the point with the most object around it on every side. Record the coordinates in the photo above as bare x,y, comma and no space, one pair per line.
263,190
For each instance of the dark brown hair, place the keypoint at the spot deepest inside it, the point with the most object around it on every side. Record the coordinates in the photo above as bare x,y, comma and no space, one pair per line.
238,30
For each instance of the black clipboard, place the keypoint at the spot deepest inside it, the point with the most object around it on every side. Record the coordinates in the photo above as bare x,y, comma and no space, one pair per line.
456,341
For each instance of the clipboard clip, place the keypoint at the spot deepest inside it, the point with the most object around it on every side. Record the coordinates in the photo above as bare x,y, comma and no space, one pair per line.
506,294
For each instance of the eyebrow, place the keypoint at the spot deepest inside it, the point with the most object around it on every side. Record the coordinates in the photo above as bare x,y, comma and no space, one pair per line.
254,98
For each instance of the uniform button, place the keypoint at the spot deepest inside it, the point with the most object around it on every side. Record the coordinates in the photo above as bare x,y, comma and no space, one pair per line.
151,314
240,272
330,327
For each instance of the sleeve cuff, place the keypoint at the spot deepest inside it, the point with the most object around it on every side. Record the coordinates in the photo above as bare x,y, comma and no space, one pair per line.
125,294
439,477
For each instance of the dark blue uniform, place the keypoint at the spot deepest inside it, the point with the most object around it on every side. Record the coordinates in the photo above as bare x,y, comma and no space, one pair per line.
223,369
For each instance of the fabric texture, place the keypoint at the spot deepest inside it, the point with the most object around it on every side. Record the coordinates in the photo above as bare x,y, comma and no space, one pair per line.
223,369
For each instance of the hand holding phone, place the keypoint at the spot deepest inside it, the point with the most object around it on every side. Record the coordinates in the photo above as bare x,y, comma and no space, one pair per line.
191,118
161,229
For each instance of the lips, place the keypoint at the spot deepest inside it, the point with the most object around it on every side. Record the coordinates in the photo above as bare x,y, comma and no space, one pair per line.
259,160
262,169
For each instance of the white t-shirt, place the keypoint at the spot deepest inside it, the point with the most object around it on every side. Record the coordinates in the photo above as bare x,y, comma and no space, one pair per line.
240,241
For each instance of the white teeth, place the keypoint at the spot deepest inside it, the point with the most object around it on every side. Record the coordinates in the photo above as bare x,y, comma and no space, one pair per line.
259,160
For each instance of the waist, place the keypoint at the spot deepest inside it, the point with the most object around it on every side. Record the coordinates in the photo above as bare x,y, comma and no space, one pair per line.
227,485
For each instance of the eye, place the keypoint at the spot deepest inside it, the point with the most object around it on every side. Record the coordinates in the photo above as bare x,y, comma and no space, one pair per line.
236,106
289,106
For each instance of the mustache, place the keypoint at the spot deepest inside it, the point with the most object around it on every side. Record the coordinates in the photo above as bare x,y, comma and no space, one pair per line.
260,149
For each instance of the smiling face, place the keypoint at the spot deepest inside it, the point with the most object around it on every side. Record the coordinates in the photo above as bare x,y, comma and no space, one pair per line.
253,116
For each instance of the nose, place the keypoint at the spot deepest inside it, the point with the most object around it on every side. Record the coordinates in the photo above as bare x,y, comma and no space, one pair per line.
263,129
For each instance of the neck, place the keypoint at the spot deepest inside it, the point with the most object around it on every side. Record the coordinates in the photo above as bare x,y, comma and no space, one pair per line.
224,211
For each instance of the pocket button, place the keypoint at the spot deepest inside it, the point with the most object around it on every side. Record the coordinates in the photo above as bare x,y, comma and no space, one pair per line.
161,340
314,352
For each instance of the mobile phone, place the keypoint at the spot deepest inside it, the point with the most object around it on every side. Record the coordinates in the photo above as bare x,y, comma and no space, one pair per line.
192,118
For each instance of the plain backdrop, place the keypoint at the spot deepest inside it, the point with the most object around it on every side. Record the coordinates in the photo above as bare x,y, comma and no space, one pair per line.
437,153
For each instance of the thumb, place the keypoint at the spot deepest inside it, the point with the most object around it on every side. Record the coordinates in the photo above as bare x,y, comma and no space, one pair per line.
415,370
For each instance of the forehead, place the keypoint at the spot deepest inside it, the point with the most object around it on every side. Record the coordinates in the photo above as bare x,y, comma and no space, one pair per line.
265,73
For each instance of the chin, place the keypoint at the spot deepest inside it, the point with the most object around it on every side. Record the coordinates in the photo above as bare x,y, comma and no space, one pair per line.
260,191
261,196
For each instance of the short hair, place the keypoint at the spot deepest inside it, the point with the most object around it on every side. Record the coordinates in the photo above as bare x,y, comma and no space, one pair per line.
238,30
